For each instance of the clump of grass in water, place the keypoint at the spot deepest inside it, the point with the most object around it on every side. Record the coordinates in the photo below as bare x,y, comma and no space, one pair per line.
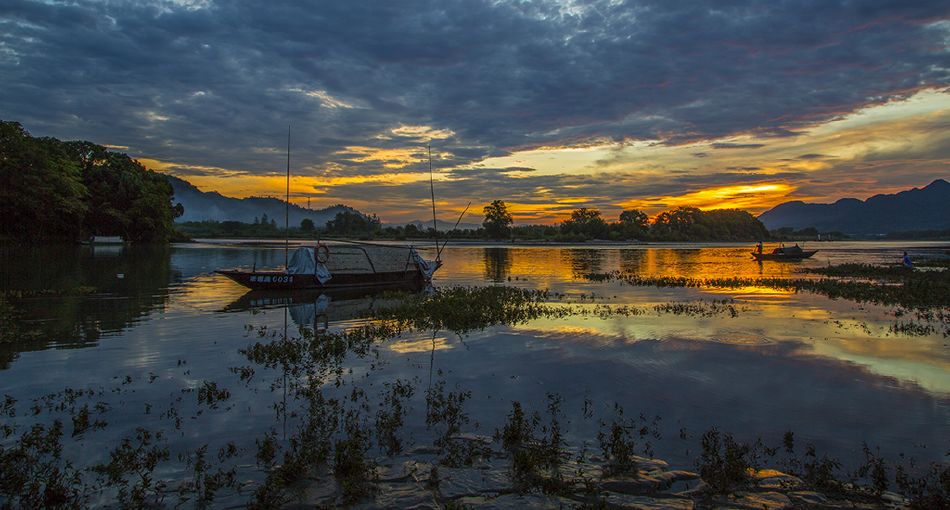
911,328
131,469
33,473
724,463
934,263
536,456
465,309
618,446
701,308
210,395
929,491
389,418
310,446
916,289
351,468
854,270
82,290
446,414
205,481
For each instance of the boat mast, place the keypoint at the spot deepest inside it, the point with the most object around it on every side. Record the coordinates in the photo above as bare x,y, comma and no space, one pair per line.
435,227
287,208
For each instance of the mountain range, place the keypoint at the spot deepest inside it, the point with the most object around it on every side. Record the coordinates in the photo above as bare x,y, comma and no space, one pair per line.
925,208
210,205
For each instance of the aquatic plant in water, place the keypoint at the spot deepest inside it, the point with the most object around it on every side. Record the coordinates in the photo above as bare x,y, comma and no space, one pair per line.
921,290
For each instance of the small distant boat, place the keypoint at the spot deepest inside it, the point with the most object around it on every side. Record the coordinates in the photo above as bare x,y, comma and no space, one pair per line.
792,253
104,240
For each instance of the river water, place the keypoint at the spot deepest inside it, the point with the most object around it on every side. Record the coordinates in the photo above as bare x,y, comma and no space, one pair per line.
153,325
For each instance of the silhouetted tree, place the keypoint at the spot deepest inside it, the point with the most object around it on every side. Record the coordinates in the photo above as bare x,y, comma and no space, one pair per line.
353,223
692,224
634,224
42,196
498,220
53,190
586,223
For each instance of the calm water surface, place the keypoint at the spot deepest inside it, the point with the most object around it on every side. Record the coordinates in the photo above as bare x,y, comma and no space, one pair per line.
157,324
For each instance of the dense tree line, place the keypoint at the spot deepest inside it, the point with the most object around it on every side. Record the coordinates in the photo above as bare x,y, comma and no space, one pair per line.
680,224
52,190
351,224
805,234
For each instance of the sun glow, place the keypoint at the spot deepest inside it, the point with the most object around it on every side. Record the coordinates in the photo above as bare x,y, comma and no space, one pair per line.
751,197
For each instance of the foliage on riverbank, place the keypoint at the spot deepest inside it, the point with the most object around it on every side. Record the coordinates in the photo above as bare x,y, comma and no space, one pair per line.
52,190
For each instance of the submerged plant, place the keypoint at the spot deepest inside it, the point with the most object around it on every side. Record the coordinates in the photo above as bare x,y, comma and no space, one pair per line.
537,449
131,469
465,309
915,289
724,463
353,470
389,418
618,446
33,473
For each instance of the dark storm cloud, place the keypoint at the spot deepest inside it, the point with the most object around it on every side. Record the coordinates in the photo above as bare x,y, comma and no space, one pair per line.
217,84
727,145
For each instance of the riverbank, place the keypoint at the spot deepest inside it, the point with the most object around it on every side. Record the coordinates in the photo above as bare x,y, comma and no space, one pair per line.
424,242
493,480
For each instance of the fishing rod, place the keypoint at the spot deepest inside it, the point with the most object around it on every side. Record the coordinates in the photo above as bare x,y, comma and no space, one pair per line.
435,227
287,207
439,253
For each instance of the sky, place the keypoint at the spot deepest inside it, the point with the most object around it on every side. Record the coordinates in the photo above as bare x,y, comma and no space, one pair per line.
549,106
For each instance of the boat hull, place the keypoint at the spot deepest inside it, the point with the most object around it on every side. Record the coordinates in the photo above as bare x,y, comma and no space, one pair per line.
267,298
278,280
791,257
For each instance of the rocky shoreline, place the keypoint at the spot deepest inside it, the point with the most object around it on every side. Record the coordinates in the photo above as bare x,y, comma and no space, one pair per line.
418,479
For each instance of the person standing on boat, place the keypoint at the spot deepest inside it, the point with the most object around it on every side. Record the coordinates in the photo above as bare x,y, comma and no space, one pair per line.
906,261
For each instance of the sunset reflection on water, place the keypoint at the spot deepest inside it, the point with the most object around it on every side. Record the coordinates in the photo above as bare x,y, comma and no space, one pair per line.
816,325
831,370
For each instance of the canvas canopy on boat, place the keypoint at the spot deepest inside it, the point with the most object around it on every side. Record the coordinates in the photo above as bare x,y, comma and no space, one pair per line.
304,261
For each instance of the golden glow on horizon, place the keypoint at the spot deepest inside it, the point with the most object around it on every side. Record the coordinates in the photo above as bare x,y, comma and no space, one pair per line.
240,184
821,163
754,197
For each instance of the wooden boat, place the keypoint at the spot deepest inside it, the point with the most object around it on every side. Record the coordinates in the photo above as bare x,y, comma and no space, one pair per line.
341,265
315,309
788,254
263,298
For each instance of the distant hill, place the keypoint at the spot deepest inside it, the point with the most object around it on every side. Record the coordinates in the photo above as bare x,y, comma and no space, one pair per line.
915,209
200,206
